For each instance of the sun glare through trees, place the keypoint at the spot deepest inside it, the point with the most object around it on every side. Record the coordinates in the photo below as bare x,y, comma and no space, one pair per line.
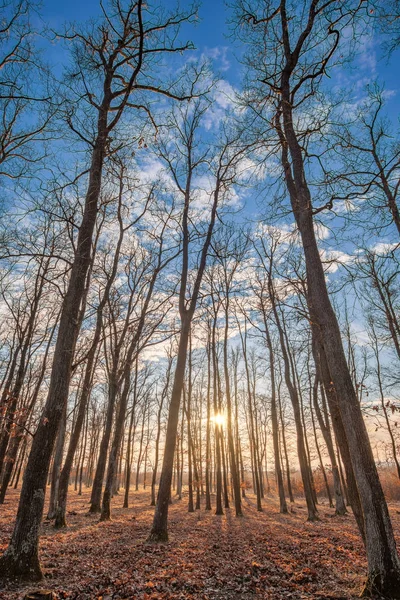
199,299
219,419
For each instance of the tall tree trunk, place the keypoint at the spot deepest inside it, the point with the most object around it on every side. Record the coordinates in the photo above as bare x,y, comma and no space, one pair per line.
231,443
383,560
340,435
21,557
217,432
301,450
187,407
158,435
253,450
113,458
321,462
61,508
129,453
140,455
83,455
274,419
285,450
224,471
95,498
123,402
208,427
57,461
340,507
159,530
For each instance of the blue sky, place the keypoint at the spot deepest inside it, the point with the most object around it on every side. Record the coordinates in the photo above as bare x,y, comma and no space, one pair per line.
208,34
211,36
210,30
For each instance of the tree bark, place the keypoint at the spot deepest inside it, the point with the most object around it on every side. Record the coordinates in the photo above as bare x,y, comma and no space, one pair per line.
340,507
159,530
383,560
231,444
57,461
274,419
301,451
21,557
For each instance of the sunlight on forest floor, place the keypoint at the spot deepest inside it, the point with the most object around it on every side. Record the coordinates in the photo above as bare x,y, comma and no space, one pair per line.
263,555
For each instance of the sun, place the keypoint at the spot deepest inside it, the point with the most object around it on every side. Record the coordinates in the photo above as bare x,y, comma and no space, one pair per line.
219,419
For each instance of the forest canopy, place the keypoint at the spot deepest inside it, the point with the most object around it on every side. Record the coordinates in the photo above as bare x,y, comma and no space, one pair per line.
199,265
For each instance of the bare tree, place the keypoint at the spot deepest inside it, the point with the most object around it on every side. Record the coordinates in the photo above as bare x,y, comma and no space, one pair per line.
251,416
261,292
386,405
223,168
369,156
161,400
159,257
93,350
26,104
229,258
297,46
118,49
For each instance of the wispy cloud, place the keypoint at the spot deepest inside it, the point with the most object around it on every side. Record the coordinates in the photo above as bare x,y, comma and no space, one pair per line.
218,54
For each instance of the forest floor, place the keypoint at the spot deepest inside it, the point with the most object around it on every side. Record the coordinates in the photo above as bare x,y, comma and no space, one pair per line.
260,556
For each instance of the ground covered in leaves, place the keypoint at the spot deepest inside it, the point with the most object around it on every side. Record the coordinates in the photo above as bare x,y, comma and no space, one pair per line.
262,555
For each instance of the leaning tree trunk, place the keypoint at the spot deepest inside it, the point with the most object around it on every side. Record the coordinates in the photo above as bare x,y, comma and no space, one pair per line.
21,558
340,435
383,560
340,506
159,530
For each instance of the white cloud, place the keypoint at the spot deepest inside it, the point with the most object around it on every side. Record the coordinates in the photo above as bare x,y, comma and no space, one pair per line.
224,104
321,232
384,247
285,233
152,169
333,259
218,54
